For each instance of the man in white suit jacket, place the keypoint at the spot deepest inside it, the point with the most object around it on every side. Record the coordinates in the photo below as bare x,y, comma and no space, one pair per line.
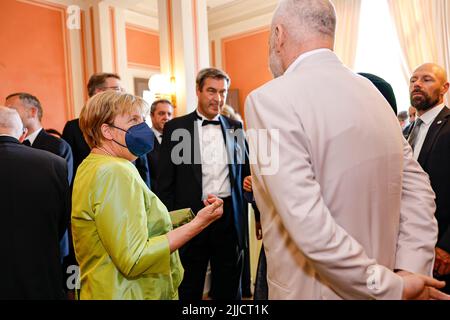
349,214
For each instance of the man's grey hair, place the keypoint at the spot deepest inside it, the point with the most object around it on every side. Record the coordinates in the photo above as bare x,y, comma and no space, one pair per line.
29,101
306,18
10,122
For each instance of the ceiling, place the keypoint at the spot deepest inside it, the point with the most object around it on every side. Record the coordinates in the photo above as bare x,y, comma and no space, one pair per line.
150,7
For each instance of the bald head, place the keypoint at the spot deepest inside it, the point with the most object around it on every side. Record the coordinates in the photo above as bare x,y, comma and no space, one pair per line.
10,123
299,26
438,71
306,18
428,86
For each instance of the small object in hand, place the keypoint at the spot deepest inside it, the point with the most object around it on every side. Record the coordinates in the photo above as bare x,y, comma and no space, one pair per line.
181,217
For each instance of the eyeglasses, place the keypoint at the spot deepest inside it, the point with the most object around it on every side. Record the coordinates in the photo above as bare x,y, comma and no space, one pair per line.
119,89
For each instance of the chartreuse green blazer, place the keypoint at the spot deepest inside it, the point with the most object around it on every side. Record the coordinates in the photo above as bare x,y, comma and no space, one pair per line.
120,234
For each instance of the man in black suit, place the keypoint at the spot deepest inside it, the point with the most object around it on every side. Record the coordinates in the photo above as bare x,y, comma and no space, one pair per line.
35,208
430,140
31,112
98,82
384,87
161,112
205,153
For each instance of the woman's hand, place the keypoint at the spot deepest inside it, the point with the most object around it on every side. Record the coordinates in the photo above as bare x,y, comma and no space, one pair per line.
212,211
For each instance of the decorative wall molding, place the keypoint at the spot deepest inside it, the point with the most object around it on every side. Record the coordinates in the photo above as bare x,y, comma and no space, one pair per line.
238,11
61,8
140,28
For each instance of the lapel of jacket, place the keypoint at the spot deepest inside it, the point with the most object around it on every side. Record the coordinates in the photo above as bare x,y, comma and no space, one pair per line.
228,136
39,139
432,135
196,158
156,144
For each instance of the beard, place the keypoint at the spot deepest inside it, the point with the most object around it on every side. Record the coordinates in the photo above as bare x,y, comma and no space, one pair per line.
424,102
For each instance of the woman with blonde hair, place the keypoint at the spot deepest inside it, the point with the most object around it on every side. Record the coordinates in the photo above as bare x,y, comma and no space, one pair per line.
123,236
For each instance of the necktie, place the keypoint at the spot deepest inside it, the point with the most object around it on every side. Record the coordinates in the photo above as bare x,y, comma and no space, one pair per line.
26,143
415,132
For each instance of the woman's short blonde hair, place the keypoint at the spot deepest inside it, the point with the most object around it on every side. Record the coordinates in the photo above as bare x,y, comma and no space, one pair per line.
103,108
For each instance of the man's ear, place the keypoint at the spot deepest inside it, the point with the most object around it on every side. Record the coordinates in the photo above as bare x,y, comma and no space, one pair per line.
33,112
106,132
444,89
24,135
280,37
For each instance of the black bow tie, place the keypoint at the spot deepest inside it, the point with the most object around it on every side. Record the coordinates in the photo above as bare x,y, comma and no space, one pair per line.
27,143
207,122
212,122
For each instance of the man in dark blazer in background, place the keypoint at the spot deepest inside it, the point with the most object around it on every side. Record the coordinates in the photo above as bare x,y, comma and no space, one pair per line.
412,118
384,87
30,110
35,210
98,82
161,112
205,153
430,140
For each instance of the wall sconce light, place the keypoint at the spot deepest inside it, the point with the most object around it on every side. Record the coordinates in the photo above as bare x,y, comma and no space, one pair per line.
163,87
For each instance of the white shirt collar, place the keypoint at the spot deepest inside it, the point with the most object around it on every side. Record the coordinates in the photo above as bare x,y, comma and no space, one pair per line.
303,57
33,136
158,134
429,116
216,118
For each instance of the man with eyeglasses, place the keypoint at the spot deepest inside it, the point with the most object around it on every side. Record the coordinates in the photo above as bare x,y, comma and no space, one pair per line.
98,82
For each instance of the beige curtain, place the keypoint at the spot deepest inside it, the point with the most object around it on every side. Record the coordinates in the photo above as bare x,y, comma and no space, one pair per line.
423,29
442,16
348,13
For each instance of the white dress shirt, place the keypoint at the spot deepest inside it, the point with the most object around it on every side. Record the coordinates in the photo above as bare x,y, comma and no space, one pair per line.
33,136
427,118
158,135
213,153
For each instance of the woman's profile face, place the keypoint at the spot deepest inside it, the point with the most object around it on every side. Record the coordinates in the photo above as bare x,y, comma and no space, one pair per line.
124,122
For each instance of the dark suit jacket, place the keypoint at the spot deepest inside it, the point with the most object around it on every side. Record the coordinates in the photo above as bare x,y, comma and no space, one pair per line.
407,130
180,184
434,158
153,159
73,135
47,142
35,210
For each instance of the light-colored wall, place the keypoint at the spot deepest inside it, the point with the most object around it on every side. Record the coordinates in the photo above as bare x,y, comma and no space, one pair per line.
245,58
41,55
142,46
239,45
42,67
